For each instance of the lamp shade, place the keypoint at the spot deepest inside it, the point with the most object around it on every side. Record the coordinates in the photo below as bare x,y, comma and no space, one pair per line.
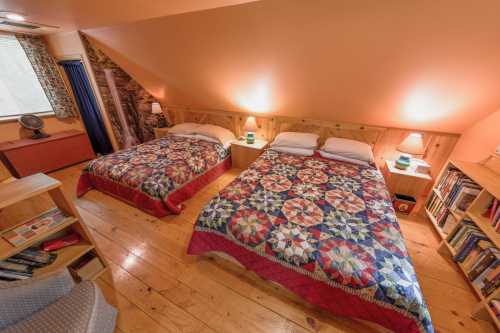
156,108
413,144
250,125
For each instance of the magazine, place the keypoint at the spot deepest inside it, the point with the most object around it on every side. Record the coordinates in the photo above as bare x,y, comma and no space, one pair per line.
35,227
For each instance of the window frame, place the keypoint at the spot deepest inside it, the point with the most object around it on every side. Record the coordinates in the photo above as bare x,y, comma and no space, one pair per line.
42,114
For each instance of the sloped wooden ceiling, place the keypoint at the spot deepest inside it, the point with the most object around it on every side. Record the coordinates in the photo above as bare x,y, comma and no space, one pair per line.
81,14
426,64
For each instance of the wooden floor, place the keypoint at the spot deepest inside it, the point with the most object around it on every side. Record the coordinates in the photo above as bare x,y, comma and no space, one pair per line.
158,288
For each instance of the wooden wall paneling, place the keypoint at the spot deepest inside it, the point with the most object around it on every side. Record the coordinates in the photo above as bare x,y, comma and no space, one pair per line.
383,140
326,129
234,121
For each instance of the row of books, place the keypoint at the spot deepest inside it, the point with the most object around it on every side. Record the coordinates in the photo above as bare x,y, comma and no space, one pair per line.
495,307
21,266
493,214
444,219
457,190
478,256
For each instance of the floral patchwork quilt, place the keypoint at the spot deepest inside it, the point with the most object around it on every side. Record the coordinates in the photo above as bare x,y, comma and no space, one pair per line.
325,230
158,175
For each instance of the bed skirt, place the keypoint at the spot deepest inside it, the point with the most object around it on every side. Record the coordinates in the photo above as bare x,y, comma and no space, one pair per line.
337,300
172,204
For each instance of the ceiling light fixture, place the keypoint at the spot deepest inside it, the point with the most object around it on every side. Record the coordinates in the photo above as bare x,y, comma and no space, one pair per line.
15,17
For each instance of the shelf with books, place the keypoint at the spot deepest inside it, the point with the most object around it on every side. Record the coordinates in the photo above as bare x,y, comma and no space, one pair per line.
65,257
438,229
8,249
46,242
455,214
484,225
462,208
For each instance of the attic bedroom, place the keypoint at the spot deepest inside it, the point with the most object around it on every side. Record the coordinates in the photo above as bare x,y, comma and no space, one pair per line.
249,166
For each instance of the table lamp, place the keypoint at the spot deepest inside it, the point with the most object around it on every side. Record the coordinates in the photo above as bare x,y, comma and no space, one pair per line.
412,145
250,127
156,108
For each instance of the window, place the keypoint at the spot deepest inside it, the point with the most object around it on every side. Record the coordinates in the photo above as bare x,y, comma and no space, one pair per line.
20,90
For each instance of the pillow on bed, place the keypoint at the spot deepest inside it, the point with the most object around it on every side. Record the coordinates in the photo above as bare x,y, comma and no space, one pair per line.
342,159
223,135
295,151
184,128
351,149
296,140
209,139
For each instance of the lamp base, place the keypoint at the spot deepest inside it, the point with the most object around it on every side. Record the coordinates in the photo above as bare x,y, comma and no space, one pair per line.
250,138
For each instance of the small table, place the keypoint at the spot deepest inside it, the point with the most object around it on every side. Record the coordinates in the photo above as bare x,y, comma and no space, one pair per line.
160,132
243,153
407,182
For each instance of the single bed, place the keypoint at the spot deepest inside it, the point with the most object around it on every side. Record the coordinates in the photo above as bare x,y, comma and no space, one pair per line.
159,175
323,229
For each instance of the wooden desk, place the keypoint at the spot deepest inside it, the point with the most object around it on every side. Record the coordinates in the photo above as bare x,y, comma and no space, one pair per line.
25,157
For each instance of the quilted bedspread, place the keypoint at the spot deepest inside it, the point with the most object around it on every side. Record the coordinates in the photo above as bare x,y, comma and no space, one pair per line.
156,176
325,230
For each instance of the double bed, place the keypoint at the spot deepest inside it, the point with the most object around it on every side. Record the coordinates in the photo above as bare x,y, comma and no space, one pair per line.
159,175
323,229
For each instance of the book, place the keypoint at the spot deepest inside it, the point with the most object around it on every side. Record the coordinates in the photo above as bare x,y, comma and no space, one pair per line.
475,253
13,275
495,306
36,256
35,227
486,260
10,266
469,243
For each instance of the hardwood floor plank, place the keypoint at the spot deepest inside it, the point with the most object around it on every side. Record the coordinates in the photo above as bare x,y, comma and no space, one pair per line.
208,294
130,318
148,252
151,302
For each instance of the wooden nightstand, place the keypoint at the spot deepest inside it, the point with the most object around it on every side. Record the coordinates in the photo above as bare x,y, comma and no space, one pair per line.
243,154
160,132
407,182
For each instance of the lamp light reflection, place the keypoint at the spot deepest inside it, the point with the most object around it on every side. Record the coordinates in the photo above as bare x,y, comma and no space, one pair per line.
423,105
256,97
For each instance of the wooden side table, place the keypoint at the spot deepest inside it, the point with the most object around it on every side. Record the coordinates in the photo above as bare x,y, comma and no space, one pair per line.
407,182
243,153
160,132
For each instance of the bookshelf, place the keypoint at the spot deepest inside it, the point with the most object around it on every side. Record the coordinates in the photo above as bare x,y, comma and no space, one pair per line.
29,187
487,176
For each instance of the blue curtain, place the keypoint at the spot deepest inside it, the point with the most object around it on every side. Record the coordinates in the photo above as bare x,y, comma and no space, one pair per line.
91,115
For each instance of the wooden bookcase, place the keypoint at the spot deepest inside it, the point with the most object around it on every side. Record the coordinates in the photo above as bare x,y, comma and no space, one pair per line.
486,175
18,190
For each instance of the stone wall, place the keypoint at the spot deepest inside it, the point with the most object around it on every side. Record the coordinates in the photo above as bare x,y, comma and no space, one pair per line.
135,100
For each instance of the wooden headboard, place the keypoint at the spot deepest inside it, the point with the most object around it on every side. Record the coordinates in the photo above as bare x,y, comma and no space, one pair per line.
326,129
383,140
226,119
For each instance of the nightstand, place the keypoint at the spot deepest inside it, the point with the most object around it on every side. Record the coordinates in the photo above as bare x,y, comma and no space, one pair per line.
407,182
160,132
243,153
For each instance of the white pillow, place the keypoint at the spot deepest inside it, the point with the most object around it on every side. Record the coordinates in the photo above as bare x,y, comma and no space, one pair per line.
296,140
223,135
209,139
349,149
191,136
342,159
184,128
295,151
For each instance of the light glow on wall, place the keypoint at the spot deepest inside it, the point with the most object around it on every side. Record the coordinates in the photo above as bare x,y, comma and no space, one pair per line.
424,105
256,97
